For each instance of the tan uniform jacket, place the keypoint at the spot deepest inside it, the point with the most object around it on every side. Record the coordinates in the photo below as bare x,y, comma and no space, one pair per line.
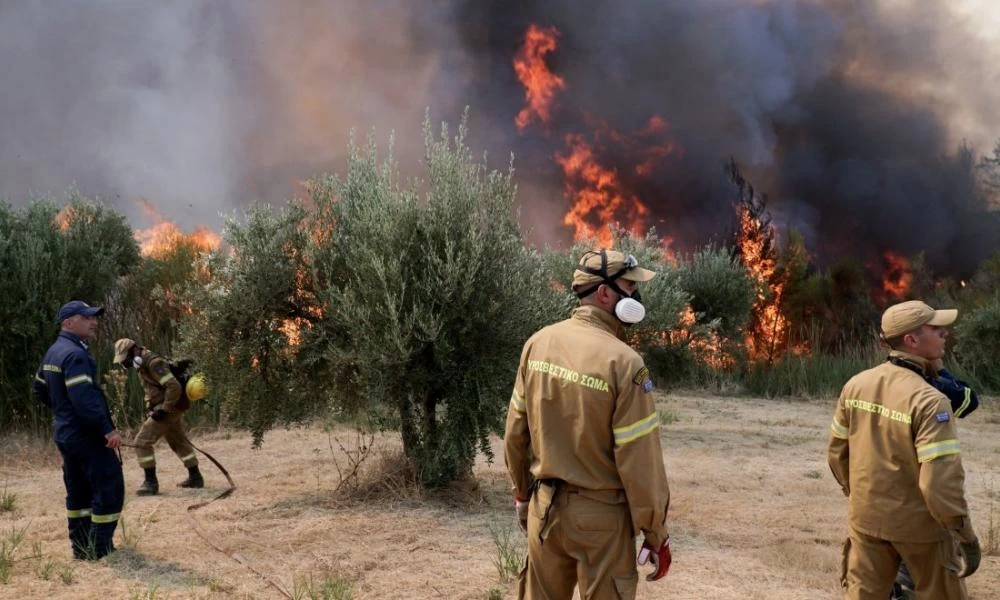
894,450
582,411
160,385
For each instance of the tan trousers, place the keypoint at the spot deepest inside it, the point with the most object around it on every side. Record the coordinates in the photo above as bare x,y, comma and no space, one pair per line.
171,428
584,540
870,567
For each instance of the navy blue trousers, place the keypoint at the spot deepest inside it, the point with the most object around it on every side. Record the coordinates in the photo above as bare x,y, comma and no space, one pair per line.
95,493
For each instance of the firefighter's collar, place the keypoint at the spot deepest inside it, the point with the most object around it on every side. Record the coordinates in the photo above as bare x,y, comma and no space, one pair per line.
917,361
600,318
75,339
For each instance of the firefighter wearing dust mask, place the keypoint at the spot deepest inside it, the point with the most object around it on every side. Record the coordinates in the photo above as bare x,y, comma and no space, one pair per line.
894,450
166,404
582,444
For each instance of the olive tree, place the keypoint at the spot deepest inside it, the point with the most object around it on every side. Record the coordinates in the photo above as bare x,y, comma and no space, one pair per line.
428,292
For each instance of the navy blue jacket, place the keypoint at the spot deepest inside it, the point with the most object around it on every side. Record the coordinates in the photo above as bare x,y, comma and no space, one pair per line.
963,399
67,383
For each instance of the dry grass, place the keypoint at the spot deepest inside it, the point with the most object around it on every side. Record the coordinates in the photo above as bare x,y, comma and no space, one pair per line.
755,515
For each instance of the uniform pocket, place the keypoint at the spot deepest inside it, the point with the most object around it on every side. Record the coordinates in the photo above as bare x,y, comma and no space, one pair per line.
626,585
844,557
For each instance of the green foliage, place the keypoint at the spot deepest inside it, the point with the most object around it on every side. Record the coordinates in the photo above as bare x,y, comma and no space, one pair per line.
720,289
11,541
240,337
508,551
978,333
48,257
330,587
428,293
817,374
8,500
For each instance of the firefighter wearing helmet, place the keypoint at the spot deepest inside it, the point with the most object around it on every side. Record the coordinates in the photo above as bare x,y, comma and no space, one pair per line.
166,403
894,450
582,444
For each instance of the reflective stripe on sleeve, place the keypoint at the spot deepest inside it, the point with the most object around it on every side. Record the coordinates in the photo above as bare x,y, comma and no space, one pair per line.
51,368
839,431
77,514
965,403
166,378
104,518
929,452
39,379
517,403
78,380
630,433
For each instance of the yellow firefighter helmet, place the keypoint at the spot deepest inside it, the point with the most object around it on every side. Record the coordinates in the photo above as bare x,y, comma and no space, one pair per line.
196,388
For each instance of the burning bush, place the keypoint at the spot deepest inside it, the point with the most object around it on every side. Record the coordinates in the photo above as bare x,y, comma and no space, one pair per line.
238,336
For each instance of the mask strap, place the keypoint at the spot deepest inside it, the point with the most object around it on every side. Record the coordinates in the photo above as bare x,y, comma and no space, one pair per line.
609,280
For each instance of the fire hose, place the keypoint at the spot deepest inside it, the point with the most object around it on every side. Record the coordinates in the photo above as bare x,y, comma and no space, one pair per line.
230,552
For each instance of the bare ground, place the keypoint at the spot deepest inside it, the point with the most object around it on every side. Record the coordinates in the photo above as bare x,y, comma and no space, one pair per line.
755,515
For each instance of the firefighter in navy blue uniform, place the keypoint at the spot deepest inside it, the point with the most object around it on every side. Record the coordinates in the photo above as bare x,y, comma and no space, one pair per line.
67,383
582,445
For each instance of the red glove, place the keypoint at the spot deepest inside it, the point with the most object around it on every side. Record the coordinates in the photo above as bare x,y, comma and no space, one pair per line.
661,558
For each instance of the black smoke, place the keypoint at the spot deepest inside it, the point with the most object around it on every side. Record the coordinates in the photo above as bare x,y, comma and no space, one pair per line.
850,115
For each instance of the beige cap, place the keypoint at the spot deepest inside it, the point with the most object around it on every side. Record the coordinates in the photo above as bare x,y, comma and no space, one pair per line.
122,348
609,263
900,319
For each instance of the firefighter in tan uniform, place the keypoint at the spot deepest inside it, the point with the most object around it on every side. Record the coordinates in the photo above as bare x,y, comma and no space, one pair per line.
165,407
895,452
582,445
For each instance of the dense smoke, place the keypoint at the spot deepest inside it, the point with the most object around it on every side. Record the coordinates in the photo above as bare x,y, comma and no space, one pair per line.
850,115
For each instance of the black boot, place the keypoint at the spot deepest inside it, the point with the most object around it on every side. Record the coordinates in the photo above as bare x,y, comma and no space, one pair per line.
79,537
194,479
150,486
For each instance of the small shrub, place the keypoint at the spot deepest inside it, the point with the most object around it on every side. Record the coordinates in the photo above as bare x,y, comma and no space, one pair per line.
67,574
132,532
45,569
330,587
8,547
668,417
508,551
494,594
8,501
150,593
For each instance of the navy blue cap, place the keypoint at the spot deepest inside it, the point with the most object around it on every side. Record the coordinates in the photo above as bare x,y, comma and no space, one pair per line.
78,307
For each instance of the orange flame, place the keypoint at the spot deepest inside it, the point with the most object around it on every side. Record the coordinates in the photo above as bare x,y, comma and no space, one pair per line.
768,330
897,277
540,84
598,197
64,217
165,237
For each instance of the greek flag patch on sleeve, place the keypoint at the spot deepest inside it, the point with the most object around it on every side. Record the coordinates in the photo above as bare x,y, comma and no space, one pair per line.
642,379
942,416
